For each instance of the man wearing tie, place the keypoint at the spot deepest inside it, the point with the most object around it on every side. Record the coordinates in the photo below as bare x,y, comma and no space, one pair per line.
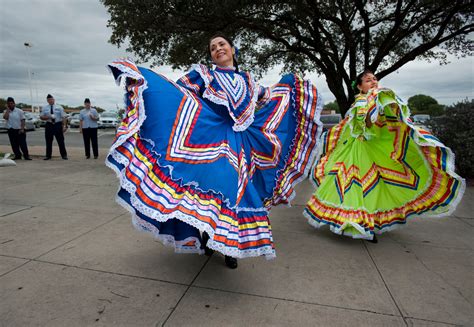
56,125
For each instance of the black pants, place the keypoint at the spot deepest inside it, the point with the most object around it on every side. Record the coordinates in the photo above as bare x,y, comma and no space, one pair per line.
90,136
18,141
51,131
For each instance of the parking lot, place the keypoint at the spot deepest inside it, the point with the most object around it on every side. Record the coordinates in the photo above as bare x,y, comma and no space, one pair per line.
72,138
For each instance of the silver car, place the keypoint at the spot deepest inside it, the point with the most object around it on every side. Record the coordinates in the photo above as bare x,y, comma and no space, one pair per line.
330,120
74,120
29,122
108,119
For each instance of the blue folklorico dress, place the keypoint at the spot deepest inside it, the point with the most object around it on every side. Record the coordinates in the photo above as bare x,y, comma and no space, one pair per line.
212,153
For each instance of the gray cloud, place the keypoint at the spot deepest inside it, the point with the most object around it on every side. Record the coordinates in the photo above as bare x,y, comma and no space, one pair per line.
70,50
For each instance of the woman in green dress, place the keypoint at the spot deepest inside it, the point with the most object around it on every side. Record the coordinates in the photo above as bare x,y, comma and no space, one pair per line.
376,168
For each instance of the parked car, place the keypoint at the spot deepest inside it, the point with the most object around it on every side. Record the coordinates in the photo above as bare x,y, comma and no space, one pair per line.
31,121
330,120
42,123
421,119
71,116
3,123
108,120
75,121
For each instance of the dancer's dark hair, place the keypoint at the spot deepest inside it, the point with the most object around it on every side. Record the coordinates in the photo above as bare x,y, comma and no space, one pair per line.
358,80
231,43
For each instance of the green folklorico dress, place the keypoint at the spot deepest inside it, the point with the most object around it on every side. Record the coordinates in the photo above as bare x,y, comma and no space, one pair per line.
370,179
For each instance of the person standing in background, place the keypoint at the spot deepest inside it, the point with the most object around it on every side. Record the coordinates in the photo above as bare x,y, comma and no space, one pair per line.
15,118
56,125
88,127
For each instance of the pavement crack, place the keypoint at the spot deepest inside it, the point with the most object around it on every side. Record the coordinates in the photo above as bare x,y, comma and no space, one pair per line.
107,272
455,288
186,291
462,219
17,211
297,301
384,282
16,268
124,296
75,238
433,321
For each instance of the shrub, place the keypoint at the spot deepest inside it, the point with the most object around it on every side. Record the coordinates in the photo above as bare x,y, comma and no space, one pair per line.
456,130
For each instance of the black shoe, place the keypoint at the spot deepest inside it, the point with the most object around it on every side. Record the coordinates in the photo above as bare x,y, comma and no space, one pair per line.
65,158
88,157
374,240
28,158
47,158
17,158
231,262
205,239
95,157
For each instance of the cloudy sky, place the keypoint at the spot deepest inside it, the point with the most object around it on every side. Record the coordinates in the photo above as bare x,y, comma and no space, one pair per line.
70,51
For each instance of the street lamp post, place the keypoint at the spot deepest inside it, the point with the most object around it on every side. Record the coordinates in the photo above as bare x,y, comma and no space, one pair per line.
35,80
28,45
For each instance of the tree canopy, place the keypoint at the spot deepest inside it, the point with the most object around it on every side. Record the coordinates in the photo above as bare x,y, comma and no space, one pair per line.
332,106
424,104
335,38
456,130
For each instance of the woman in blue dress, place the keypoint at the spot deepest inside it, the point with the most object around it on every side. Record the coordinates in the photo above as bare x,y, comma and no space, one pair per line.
201,161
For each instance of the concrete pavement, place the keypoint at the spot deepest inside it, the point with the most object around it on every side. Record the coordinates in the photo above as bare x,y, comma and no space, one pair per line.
70,257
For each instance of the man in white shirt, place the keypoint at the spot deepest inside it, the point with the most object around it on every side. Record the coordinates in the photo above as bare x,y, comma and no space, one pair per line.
15,118
88,118
56,125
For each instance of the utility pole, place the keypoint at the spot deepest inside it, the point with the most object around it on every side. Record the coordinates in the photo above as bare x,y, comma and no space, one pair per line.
27,46
35,80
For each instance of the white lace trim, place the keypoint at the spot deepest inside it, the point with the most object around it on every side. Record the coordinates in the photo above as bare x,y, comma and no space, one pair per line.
124,161
436,213
129,73
365,235
203,72
351,116
169,240
430,213
267,251
319,106
450,159
317,157
242,127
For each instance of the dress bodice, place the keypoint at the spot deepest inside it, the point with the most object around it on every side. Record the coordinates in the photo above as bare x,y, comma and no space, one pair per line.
223,86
